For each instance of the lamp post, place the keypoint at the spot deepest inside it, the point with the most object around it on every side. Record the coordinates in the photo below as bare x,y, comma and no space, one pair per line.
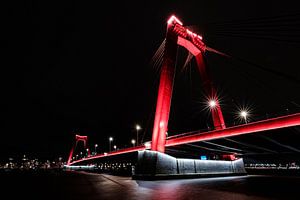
137,127
212,104
87,152
96,145
244,115
115,147
133,142
110,140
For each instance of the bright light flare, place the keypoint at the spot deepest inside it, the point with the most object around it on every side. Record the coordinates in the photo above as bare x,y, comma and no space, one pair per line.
244,113
212,103
132,141
137,127
173,18
111,139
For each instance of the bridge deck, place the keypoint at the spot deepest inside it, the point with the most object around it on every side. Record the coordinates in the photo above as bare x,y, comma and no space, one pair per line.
260,126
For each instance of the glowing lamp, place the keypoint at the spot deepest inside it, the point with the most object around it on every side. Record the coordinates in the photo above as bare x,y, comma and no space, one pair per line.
138,127
244,113
212,103
147,145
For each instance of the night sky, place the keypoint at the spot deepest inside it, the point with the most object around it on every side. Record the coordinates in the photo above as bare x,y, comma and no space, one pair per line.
70,68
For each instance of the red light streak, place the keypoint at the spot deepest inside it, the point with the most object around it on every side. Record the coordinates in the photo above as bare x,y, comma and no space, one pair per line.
121,151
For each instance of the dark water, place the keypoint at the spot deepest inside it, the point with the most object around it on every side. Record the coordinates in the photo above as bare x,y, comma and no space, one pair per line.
81,185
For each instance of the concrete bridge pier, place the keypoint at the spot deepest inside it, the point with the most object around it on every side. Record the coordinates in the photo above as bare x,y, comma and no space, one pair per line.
152,165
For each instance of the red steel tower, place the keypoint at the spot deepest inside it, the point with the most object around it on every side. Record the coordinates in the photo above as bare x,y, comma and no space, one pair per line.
176,35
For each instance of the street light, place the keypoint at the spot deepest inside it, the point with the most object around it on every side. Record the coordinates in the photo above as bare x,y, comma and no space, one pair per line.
133,142
244,114
110,140
137,134
115,147
96,145
212,103
87,152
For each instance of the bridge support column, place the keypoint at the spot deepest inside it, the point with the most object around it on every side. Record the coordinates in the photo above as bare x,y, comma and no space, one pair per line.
164,93
77,139
210,91
153,165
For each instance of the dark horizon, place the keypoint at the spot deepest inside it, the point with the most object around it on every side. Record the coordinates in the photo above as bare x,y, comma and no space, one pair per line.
71,68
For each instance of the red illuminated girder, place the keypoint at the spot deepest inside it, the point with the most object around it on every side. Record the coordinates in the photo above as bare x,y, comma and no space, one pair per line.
193,43
164,93
77,139
186,38
81,138
265,125
178,35
121,151
210,91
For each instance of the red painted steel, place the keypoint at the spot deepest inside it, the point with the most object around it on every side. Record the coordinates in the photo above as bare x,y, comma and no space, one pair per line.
78,138
179,35
165,90
216,111
264,125
117,152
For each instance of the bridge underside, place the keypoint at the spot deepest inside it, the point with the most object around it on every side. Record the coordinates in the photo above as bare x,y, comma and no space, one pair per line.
265,146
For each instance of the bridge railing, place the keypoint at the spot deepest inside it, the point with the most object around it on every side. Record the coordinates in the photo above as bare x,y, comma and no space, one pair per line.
112,153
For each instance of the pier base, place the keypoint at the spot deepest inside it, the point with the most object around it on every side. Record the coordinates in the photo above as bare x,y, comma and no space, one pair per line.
152,165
